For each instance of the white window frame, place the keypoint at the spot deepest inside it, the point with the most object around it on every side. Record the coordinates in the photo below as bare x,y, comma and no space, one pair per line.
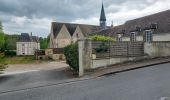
119,37
133,36
148,35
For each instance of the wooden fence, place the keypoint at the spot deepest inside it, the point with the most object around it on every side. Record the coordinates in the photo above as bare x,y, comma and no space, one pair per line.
117,49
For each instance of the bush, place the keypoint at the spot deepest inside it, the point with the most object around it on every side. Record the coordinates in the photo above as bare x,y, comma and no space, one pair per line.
10,53
105,45
102,38
71,54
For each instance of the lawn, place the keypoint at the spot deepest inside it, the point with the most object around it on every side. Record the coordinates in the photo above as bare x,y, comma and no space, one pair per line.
4,61
18,60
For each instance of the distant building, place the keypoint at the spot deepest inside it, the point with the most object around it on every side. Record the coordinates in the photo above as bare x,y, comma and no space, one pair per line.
62,34
27,44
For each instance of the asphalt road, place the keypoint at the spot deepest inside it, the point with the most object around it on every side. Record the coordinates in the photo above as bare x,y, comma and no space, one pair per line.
32,79
152,83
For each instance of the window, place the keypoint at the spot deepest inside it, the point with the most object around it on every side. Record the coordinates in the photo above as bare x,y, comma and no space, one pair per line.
119,37
133,36
148,36
77,35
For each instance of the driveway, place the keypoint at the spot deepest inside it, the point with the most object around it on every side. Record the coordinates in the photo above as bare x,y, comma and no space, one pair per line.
150,83
20,81
22,68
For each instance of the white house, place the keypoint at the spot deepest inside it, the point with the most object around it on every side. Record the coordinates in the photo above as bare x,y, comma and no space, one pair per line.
155,27
27,44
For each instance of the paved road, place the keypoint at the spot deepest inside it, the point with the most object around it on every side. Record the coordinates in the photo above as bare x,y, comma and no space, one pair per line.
152,83
32,79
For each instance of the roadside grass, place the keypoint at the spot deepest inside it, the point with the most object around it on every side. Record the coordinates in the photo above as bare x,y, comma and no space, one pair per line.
18,60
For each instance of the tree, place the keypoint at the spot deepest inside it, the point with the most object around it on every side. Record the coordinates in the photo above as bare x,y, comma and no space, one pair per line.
1,28
2,41
43,43
10,41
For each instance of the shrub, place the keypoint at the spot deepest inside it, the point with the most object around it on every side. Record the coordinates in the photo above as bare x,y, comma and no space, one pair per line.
102,38
10,53
71,54
104,46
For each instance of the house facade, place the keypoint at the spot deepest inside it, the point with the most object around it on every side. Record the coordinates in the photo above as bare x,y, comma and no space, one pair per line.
63,34
150,28
27,44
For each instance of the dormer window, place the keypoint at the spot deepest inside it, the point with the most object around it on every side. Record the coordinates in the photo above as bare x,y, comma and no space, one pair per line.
148,36
133,36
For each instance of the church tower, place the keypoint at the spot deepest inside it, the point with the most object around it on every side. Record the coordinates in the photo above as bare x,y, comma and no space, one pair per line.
102,18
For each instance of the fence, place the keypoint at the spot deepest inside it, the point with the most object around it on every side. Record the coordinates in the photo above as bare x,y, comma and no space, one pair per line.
117,49
109,53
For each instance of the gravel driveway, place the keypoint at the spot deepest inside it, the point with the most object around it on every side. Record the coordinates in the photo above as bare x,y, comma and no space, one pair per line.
22,68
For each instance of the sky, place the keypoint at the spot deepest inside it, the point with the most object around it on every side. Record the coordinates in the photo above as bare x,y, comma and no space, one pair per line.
25,16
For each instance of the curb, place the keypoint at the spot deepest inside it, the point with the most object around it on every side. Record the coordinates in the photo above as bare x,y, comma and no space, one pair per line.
119,69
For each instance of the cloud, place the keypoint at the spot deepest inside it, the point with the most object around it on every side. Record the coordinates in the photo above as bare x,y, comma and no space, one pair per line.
36,15
23,24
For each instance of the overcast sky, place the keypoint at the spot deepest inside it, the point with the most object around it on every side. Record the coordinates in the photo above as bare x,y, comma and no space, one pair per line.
35,16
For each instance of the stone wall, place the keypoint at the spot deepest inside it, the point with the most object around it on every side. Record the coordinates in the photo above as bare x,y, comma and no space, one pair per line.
157,49
87,60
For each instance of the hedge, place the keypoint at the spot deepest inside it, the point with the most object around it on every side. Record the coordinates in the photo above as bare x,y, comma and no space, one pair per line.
10,53
102,38
72,57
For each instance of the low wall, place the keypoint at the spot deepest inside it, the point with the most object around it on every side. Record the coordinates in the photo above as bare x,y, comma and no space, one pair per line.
157,49
97,63
88,60
58,57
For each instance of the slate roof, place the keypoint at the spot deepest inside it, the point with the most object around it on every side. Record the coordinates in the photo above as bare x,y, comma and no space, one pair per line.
25,37
162,19
71,27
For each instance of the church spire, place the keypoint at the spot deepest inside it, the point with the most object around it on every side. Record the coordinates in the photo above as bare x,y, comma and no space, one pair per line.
103,18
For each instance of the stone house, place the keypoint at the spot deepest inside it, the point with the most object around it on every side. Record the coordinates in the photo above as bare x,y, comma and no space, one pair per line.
27,44
154,27
63,34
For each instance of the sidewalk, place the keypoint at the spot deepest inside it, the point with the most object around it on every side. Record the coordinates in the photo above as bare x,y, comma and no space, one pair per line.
127,66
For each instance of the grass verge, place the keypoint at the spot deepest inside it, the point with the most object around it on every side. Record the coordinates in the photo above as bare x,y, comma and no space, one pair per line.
18,60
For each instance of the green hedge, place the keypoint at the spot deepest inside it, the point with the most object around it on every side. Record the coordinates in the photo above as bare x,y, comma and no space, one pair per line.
106,40
10,53
102,38
71,54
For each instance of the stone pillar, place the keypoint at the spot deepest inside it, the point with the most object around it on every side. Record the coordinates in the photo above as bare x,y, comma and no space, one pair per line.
85,52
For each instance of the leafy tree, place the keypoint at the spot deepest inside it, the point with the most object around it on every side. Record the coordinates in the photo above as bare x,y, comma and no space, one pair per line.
43,43
1,28
2,41
10,41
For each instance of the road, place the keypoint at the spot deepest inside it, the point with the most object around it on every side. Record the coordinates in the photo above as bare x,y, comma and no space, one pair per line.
152,83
